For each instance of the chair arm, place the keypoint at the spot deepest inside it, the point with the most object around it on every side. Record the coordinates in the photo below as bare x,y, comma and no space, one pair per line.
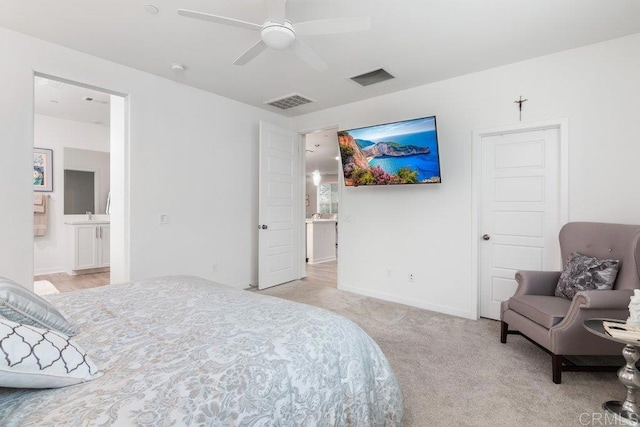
536,282
616,299
586,304
570,337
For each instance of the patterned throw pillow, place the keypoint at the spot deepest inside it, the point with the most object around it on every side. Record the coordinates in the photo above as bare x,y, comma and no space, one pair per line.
31,357
19,304
585,273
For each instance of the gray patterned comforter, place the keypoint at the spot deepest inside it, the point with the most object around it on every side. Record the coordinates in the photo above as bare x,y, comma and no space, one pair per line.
187,351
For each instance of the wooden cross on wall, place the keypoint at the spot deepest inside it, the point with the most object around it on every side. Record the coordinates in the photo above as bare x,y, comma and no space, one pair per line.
520,102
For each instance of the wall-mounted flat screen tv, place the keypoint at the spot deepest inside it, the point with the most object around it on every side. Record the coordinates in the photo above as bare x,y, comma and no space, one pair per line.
403,152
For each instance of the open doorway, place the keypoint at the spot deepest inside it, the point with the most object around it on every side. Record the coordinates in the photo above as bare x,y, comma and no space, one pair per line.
73,225
322,206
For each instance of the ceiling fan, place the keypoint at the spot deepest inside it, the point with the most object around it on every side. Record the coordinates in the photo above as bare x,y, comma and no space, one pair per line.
279,33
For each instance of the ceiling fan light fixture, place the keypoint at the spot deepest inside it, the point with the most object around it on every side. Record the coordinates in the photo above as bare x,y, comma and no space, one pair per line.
278,36
278,33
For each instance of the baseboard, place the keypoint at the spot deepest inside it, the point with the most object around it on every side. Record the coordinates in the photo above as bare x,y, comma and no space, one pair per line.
54,270
89,271
321,260
410,302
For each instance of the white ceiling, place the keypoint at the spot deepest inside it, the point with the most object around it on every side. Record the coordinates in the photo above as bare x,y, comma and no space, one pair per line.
67,101
419,41
323,156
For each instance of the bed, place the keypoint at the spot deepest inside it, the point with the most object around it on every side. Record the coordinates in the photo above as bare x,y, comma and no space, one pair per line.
187,351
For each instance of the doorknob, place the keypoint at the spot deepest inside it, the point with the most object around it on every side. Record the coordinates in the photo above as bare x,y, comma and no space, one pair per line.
264,226
486,237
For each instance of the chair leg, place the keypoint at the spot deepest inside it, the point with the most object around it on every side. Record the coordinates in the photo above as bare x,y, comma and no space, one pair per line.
556,368
504,328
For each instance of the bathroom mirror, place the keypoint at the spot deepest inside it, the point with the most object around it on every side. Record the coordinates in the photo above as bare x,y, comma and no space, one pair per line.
86,181
79,192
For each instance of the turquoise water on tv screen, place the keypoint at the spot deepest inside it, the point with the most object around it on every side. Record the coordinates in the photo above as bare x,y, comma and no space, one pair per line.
427,165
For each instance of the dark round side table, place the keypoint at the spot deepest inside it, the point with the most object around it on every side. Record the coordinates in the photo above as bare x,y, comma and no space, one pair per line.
628,374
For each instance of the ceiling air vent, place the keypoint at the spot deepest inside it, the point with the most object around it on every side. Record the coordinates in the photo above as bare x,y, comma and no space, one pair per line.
289,101
372,77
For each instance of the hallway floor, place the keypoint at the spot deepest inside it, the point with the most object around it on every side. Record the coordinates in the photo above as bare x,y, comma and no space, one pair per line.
68,282
325,273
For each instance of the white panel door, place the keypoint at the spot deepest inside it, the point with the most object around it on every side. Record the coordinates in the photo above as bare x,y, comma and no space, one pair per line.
520,211
279,206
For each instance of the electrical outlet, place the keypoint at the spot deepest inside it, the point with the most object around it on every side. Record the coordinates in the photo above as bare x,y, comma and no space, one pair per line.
411,277
164,219
214,268
388,273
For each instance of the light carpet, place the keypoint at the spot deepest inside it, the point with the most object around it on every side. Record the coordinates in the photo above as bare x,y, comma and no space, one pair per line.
44,287
455,372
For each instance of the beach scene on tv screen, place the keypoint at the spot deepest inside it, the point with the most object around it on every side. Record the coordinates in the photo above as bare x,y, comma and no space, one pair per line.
394,153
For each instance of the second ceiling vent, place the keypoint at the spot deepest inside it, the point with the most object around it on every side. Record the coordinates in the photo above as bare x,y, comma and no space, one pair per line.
372,77
289,101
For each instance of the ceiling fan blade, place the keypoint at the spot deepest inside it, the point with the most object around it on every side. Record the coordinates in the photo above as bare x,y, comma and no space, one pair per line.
309,56
219,19
251,53
276,10
332,26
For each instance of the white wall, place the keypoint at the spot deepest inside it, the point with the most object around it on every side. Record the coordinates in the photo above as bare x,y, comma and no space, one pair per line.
50,250
193,156
426,229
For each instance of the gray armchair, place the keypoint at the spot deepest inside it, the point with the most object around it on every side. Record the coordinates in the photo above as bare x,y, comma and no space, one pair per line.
556,323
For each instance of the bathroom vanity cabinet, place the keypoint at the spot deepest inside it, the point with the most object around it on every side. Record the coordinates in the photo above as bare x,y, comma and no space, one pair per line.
90,245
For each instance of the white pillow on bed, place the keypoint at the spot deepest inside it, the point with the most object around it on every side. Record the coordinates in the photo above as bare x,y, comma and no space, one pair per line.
19,304
31,357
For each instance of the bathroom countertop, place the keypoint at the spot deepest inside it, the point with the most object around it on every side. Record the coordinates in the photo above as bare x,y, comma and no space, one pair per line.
87,221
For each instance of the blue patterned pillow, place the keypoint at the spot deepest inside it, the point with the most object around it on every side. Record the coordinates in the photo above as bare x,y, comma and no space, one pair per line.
585,273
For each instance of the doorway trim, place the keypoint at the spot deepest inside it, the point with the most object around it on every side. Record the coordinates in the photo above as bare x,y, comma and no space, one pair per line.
126,168
303,172
476,175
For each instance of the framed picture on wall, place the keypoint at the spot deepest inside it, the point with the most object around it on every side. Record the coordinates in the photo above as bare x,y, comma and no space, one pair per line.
42,169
